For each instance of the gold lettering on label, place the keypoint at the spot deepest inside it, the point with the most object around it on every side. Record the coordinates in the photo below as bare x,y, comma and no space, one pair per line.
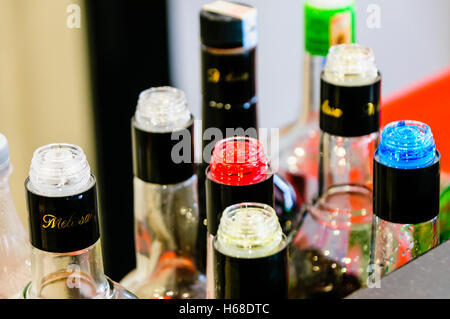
370,109
232,77
213,75
51,221
331,111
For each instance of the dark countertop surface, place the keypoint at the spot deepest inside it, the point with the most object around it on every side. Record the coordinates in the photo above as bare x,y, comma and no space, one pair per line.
428,276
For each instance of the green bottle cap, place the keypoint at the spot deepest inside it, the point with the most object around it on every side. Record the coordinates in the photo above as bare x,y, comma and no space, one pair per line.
328,23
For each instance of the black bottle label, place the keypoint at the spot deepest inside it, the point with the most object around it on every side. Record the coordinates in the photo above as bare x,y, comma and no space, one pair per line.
63,224
350,111
228,77
229,94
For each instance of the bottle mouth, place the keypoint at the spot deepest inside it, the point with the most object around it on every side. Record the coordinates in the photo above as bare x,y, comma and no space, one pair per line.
343,206
59,170
406,144
350,64
239,161
249,230
162,109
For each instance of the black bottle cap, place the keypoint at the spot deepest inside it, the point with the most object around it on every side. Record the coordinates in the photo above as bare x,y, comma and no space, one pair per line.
63,224
152,155
222,29
406,196
350,111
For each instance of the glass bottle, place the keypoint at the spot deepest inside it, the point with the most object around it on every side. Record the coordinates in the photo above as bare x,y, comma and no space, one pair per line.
349,116
406,195
15,270
329,253
327,23
165,198
250,254
229,37
66,259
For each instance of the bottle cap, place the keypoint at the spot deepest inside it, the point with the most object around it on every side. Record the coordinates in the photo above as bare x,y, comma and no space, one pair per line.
406,174
162,109
62,200
406,144
350,92
350,65
327,23
163,151
239,161
249,230
225,24
59,170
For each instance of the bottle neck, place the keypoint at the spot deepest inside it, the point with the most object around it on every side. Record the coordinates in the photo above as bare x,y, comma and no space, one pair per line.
72,275
312,68
346,160
343,206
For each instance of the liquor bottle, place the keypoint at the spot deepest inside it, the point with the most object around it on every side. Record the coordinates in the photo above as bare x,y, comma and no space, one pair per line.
14,244
331,249
66,259
330,252
239,172
327,23
229,103
349,116
406,195
165,198
250,254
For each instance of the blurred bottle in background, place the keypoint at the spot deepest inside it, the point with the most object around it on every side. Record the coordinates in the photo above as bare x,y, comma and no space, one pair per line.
327,23
406,195
165,198
15,270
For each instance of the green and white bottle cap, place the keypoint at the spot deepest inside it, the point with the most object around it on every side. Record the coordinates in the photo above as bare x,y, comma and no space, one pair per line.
327,23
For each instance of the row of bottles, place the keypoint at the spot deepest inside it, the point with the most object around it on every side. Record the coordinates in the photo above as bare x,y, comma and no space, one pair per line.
231,226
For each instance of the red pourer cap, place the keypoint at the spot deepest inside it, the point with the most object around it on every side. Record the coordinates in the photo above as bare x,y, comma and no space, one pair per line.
239,161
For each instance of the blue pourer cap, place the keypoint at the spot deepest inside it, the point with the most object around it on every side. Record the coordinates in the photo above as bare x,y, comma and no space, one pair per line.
4,154
406,174
407,145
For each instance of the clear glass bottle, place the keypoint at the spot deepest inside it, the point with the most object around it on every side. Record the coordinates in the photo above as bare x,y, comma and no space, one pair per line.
329,253
165,199
349,116
327,23
66,258
406,195
15,270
